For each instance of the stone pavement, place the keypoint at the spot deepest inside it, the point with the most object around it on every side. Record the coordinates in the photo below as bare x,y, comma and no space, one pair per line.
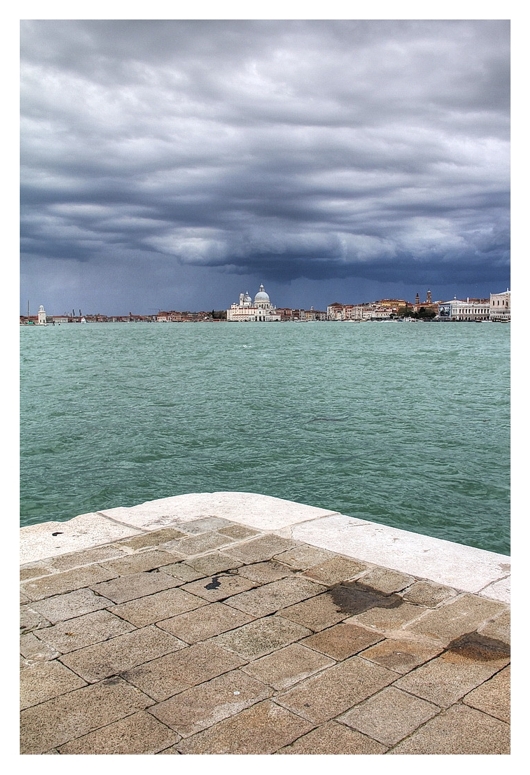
211,637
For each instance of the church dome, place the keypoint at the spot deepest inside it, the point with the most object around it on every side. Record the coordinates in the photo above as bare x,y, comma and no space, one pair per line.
261,295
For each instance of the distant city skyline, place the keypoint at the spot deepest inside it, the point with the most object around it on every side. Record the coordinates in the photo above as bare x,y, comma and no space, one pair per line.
172,164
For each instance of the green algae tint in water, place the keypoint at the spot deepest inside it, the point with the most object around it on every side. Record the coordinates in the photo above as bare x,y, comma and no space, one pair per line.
402,424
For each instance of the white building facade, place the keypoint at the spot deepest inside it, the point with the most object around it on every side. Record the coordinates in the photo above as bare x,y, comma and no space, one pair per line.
464,310
251,311
500,307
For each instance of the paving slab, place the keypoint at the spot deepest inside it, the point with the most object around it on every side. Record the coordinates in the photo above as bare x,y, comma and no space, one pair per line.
428,594
458,730
447,678
139,733
153,538
336,570
386,581
218,587
155,608
402,656
288,666
35,650
202,706
390,715
162,678
88,556
303,557
125,588
336,689
334,739
208,564
269,598
44,680
59,583
70,716
342,641
317,613
261,729
83,631
205,622
71,605
259,549
102,660
459,616
493,696
264,572
198,544
262,636
136,563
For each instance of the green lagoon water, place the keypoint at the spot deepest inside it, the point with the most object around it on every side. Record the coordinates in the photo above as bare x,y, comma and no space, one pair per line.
398,423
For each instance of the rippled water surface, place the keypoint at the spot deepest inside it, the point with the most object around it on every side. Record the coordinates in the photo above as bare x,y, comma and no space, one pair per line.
399,423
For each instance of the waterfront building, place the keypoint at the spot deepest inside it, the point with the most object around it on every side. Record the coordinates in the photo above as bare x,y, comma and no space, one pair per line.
500,306
469,310
249,311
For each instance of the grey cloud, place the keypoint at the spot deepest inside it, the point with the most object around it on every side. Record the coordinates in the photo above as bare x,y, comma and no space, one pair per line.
280,149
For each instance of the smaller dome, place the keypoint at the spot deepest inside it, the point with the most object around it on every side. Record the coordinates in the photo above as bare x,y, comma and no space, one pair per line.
261,295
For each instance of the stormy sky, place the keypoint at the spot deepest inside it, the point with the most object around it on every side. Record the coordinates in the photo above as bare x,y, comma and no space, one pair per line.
174,164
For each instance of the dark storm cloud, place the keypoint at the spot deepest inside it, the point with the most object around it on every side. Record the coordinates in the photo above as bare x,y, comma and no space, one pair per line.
281,149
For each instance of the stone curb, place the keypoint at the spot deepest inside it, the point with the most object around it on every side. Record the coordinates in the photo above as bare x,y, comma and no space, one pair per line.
444,562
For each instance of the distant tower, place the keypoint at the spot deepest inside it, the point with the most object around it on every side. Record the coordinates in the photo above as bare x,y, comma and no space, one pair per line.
429,297
417,298
41,316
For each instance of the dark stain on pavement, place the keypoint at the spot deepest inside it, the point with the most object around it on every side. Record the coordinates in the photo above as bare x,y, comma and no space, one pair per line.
354,598
478,647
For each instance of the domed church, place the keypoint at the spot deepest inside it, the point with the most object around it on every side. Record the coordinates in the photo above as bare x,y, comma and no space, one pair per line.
248,311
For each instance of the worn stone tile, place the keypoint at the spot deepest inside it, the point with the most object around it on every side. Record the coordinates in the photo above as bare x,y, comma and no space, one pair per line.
388,619
462,615
126,588
261,729
447,678
401,655
342,640
237,531
389,716
155,608
182,571
264,572
67,581
34,649
205,622
103,660
336,690
205,525
259,549
153,538
333,738
458,730
173,750
303,557
262,636
498,628
271,597
86,557
31,619
142,561
219,586
44,680
202,706
71,605
287,666
386,581
72,715
33,570
493,696
23,598
162,678
428,593
136,734
336,570
198,544
212,563
84,631
318,612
